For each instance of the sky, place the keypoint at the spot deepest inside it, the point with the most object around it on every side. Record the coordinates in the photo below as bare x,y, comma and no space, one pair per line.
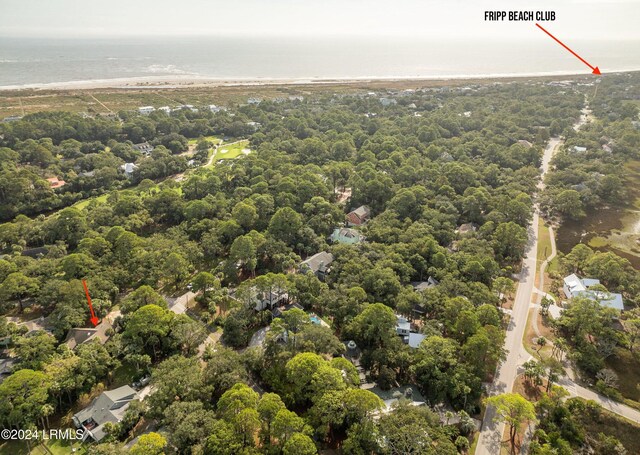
463,19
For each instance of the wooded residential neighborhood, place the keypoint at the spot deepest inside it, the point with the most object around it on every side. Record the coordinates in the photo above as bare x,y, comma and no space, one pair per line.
333,273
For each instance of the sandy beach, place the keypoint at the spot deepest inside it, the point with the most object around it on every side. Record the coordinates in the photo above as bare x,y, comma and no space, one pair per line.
174,82
107,96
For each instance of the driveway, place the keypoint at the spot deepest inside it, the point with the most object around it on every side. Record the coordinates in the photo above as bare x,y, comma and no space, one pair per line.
258,338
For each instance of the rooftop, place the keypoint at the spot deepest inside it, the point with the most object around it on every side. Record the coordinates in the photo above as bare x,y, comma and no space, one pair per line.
574,286
362,211
78,336
319,262
109,406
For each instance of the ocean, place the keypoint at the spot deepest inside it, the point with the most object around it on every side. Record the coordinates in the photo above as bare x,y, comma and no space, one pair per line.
37,62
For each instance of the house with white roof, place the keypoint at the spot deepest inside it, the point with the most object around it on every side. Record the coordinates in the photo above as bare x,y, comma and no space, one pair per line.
146,110
403,326
128,169
574,286
388,101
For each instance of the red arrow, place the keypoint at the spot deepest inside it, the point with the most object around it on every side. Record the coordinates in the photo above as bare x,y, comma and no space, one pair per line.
595,69
94,319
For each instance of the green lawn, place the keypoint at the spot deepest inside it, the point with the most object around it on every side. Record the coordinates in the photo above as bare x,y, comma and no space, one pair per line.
63,447
230,151
544,242
57,447
80,205
212,139
123,375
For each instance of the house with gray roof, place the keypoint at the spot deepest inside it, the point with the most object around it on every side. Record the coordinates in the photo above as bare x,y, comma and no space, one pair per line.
420,286
6,367
144,147
79,335
109,406
414,339
318,264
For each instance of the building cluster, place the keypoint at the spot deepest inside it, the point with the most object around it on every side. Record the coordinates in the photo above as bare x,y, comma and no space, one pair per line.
146,110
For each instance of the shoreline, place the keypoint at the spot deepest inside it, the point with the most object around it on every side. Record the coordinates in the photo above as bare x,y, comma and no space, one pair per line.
173,82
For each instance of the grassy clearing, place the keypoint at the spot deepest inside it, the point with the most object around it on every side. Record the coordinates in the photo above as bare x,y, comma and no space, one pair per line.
65,447
212,139
230,151
81,205
627,367
123,375
530,335
611,424
544,242
55,447
598,242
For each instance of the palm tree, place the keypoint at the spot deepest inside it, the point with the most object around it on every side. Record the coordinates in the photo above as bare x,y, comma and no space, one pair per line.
45,411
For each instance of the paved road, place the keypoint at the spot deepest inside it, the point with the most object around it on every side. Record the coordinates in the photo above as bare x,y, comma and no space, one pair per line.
491,432
576,390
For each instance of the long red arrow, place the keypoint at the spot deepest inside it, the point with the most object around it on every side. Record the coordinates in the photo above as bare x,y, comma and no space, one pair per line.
595,69
94,319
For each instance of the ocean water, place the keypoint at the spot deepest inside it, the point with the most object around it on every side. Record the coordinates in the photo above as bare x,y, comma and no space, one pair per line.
25,62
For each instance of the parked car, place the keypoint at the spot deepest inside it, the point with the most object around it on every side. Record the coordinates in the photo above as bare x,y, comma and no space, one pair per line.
141,382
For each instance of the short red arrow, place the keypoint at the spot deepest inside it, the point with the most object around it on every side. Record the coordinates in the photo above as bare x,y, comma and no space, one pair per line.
94,319
595,69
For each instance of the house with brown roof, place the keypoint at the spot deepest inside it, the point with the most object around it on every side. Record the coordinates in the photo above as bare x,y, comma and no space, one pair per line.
56,183
466,229
358,216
